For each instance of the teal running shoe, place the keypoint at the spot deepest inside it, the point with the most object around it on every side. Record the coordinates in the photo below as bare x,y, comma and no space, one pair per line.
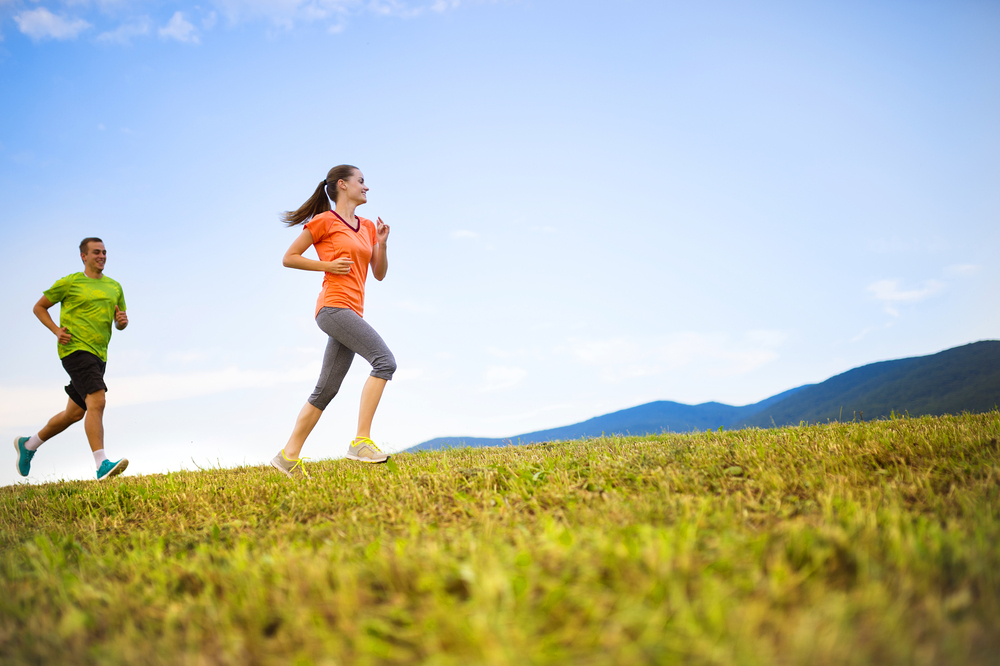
24,456
110,468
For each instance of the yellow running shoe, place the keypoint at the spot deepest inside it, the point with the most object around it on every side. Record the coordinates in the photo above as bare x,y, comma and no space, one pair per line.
293,469
364,450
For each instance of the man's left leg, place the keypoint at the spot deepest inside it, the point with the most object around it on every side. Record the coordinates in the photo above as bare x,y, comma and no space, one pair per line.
26,446
93,425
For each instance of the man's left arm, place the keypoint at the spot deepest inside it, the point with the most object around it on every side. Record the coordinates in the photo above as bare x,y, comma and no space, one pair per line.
121,319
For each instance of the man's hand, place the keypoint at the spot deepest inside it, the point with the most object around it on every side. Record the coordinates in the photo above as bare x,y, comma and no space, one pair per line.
121,319
65,337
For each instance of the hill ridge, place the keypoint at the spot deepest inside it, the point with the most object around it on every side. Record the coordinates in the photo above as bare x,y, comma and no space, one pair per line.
964,378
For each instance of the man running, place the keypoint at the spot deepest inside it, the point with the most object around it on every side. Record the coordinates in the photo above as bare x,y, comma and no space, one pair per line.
90,303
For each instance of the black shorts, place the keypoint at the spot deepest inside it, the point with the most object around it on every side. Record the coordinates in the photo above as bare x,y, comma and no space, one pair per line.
86,376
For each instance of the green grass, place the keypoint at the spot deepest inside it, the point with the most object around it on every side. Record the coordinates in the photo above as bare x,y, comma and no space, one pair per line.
838,544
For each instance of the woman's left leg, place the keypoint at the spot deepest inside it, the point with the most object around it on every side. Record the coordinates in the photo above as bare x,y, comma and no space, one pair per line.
355,333
370,396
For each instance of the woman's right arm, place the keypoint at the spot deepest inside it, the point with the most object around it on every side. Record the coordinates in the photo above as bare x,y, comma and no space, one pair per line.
293,258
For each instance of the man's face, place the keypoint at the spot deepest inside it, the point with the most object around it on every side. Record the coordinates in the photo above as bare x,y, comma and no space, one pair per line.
94,257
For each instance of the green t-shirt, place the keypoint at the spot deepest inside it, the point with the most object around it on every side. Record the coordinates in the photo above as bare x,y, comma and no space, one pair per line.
87,311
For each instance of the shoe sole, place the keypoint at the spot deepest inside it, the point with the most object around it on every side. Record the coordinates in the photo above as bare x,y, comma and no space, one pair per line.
17,447
116,470
370,461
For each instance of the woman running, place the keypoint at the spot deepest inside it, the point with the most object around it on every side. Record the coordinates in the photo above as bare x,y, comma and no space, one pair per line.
347,245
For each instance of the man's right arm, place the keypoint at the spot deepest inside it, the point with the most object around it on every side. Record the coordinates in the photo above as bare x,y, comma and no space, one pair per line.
41,311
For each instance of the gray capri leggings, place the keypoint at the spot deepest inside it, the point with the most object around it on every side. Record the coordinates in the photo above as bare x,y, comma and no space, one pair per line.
349,334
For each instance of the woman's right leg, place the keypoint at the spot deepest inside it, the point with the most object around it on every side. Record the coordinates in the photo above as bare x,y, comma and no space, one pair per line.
308,418
336,362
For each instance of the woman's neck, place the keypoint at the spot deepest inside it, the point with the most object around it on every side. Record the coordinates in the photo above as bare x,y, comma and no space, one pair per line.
346,211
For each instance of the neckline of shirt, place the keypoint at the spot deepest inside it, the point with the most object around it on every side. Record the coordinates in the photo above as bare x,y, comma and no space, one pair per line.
355,230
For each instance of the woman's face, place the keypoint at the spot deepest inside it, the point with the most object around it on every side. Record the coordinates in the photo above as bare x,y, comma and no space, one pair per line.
355,189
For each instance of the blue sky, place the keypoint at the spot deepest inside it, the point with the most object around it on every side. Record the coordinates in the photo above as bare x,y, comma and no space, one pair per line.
593,205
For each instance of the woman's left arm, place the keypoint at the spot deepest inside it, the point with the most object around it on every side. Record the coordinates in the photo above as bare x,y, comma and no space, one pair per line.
380,257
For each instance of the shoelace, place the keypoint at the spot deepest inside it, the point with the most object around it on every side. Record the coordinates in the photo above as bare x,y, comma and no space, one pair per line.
299,462
368,440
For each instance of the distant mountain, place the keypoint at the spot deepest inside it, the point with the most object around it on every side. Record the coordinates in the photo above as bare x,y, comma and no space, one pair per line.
957,380
961,379
653,417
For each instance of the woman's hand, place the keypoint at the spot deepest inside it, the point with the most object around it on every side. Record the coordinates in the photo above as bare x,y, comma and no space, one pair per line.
340,266
380,257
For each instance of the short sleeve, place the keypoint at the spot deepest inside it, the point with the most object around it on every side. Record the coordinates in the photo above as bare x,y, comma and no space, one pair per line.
318,227
121,299
57,292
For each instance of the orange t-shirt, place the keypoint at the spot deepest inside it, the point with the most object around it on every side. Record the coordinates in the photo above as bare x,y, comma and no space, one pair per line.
333,239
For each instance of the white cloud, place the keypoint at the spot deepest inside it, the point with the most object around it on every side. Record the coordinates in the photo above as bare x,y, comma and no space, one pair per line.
27,407
890,293
178,28
962,269
395,8
860,336
160,387
521,417
629,357
504,353
186,357
416,307
286,13
464,233
126,32
501,378
42,24
444,5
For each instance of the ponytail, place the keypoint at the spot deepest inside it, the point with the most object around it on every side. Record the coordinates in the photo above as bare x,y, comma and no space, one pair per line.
318,202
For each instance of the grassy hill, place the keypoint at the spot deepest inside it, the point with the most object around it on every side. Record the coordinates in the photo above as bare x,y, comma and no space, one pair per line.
962,379
845,543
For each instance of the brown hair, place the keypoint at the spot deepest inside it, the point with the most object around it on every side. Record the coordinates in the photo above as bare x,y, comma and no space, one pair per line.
87,241
318,202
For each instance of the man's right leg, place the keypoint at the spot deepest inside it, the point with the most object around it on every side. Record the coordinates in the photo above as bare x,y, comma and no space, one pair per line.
26,446
93,425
